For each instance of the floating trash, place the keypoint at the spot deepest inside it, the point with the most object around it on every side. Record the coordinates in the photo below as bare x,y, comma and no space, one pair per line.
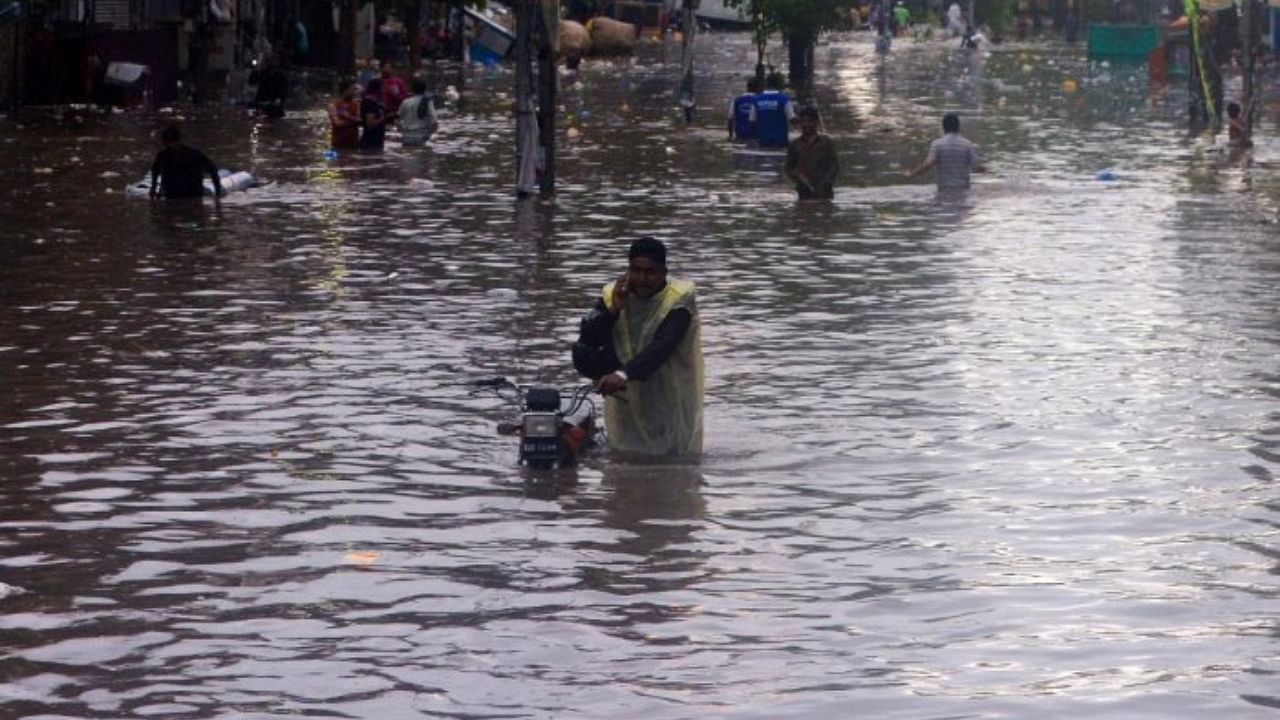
361,557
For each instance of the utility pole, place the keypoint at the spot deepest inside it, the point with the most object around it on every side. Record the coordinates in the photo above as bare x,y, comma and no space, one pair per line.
537,36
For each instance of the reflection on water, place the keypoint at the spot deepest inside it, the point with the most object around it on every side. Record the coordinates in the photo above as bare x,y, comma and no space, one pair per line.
997,455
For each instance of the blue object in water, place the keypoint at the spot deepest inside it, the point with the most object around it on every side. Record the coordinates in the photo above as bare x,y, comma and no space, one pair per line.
491,40
483,55
1106,175
330,154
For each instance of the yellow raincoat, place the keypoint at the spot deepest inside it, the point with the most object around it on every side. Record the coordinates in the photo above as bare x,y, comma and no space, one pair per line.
662,414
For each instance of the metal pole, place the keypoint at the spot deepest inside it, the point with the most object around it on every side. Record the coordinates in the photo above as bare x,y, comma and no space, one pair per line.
690,22
1249,87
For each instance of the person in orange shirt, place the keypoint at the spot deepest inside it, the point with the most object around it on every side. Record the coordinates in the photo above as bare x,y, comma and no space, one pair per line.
344,119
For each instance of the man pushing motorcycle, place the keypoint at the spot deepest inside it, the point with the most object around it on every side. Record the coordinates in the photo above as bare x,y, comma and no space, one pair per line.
641,344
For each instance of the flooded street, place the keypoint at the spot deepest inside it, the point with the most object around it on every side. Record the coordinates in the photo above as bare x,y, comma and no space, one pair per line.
1009,455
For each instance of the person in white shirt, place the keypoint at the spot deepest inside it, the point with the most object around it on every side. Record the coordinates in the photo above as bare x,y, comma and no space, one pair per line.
955,20
417,117
953,155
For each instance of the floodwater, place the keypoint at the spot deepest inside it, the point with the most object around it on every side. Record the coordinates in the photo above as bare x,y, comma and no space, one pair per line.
1006,455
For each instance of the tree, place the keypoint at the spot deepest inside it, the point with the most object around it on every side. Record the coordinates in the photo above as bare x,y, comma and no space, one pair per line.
761,29
800,22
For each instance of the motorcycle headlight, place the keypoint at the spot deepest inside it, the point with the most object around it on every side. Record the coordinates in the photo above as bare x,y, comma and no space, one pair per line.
541,425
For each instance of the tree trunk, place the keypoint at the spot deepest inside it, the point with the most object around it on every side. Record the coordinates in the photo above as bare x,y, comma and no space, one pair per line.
17,66
762,42
413,27
800,65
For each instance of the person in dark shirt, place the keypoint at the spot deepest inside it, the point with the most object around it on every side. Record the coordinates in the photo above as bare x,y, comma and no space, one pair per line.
641,344
181,169
373,117
812,163
742,113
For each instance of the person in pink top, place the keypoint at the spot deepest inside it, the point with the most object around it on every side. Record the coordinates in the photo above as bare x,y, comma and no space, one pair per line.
394,89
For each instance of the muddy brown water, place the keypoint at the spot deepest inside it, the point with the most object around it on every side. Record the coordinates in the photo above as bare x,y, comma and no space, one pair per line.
1005,455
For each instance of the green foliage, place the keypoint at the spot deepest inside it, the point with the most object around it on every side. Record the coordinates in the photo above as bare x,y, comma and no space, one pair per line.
999,15
796,18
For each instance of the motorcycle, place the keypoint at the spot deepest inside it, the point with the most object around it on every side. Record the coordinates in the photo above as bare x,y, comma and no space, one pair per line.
553,430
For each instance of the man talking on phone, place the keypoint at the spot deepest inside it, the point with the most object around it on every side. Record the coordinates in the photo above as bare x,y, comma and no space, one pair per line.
641,344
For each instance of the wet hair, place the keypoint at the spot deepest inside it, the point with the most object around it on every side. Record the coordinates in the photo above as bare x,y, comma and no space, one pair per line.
950,123
809,111
774,82
419,87
753,84
649,247
374,87
1233,110
170,134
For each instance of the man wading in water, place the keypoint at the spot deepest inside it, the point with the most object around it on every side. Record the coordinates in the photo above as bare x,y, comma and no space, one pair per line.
953,155
180,169
641,344
811,160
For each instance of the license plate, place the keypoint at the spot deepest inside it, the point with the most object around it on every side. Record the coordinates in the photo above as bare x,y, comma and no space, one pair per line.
541,448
